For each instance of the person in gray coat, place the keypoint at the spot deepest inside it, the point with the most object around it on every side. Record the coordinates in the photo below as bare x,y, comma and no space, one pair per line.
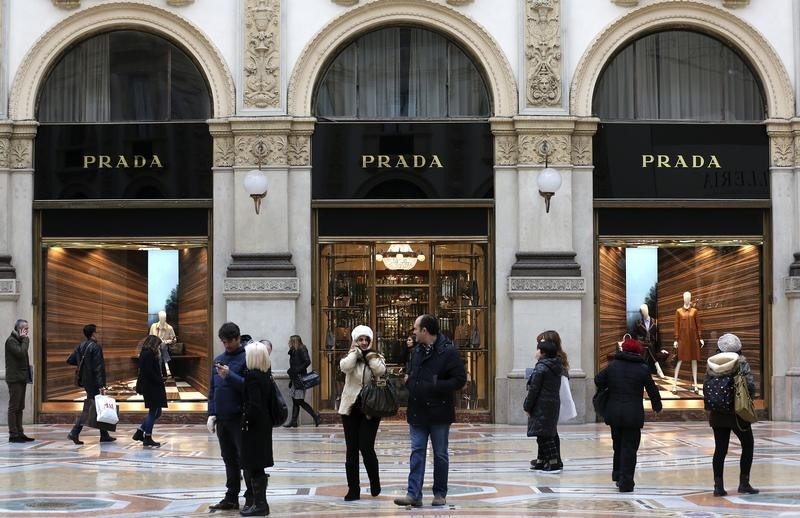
17,365
543,402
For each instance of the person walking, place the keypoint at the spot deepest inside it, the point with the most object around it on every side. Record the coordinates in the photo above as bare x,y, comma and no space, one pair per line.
17,378
299,361
436,372
728,362
150,384
361,363
553,336
225,397
625,377
256,453
542,404
88,358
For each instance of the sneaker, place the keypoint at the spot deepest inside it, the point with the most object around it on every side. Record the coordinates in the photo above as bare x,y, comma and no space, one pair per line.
408,501
224,505
438,500
537,465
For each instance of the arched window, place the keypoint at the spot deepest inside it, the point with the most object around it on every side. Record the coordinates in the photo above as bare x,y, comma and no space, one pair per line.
679,75
124,76
402,72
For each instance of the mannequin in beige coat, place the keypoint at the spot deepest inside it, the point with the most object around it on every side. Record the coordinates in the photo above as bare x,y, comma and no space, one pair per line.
360,430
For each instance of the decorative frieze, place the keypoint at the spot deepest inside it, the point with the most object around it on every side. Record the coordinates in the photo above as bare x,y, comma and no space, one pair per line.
9,289
543,53
67,4
248,155
20,155
261,288
626,3
345,3
546,287
299,150
782,151
530,149
733,4
4,145
262,54
505,150
179,3
224,155
581,150
792,287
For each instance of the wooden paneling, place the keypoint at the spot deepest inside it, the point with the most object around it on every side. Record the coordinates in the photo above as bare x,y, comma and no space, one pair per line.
193,314
103,287
611,301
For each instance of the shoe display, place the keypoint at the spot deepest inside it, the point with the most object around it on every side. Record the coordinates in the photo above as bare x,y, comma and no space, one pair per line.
224,505
74,438
138,435
408,501
438,500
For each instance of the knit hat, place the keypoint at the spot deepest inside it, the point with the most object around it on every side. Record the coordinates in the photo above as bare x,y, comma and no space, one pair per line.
631,345
361,331
729,343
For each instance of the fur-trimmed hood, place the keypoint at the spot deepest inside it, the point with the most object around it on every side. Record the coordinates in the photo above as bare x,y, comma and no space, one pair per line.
722,364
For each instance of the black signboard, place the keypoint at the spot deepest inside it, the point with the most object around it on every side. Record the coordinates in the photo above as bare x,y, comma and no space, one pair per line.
123,161
415,160
688,161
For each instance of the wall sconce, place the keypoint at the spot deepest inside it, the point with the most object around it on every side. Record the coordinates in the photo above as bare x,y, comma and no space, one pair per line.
549,179
255,181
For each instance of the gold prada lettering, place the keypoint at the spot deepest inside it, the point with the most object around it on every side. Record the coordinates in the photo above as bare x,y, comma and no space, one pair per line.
681,161
122,162
401,161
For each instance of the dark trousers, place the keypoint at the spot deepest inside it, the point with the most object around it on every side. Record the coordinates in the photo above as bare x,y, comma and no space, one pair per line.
548,449
78,426
16,404
722,437
359,436
229,435
626,444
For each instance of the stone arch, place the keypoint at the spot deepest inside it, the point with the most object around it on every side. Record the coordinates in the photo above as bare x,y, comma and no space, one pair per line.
120,15
478,43
685,14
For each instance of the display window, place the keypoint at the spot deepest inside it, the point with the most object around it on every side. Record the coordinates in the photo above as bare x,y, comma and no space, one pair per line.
387,285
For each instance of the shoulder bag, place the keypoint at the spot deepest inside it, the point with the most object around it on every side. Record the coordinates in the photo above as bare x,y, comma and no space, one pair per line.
278,412
378,397
743,404
76,358
308,381
600,401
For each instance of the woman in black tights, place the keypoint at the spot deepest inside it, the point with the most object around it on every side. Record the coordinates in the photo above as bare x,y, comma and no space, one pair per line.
299,362
728,362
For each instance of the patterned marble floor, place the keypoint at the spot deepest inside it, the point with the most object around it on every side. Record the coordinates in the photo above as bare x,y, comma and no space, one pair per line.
489,474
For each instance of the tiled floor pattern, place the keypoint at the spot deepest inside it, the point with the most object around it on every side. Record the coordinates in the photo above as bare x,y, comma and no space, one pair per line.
489,474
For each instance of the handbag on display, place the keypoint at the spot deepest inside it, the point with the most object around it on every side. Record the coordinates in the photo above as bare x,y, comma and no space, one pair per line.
567,410
378,397
176,348
106,409
308,381
743,404
278,412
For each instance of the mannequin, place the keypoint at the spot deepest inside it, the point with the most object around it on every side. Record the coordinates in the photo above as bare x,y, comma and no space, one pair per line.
167,334
687,339
646,331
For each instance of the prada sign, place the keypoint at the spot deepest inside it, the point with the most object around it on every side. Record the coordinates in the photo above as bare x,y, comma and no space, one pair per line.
123,161
409,160
689,161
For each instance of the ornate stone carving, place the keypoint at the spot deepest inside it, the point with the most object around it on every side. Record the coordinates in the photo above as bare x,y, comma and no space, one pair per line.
299,151
626,3
262,54
792,287
733,4
543,53
459,2
8,289
3,153
345,3
782,151
224,155
582,150
530,149
179,3
274,154
67,4
505,150
261,288
546,287
20,156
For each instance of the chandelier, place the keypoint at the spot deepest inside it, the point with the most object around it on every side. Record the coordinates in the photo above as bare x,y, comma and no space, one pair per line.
399,257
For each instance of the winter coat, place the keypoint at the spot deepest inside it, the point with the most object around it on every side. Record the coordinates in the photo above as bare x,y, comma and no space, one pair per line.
626,376
299,362
728,364
225,395
93,369
433,379
543,401
256,450
149,382
356,375
17,358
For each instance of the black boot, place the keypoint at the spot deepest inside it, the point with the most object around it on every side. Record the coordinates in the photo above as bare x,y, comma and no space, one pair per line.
745,487
260,506
295,414
374,477
148,441
353,483
719,487
248,494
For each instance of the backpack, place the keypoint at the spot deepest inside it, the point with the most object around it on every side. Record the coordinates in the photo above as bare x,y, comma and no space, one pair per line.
718,393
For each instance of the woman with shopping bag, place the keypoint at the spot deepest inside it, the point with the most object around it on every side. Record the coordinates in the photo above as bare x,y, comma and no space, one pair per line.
150,384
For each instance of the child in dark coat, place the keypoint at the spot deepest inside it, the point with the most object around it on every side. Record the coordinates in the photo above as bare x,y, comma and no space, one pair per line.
542,404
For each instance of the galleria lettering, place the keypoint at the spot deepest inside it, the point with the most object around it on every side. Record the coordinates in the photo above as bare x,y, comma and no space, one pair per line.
400,161
681,162
121,162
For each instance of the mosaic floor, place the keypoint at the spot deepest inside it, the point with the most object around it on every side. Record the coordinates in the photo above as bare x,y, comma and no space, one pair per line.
489,474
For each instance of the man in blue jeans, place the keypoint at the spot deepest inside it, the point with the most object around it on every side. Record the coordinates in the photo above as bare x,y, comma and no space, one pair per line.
435,372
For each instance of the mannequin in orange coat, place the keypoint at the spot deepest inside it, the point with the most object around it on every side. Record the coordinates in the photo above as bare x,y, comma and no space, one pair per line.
687,338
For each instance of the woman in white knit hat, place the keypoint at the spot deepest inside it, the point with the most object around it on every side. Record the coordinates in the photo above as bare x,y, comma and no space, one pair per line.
361,362
728,362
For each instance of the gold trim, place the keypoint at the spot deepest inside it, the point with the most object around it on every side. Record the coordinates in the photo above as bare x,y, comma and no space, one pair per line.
198,203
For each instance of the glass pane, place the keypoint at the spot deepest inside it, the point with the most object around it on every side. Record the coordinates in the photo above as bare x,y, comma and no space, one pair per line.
467,92
189,95
337,91
139,67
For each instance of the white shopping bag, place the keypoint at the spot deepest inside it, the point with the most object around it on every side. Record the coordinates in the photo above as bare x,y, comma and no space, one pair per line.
567,410
106,409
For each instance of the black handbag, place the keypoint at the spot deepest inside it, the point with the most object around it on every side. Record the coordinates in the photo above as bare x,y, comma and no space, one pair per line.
378,397
278,412
600,401
308,381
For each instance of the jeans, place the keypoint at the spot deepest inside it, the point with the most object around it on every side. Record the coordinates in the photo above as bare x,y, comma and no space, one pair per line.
439,434
150,420
229,434
626,445
16,404
722,437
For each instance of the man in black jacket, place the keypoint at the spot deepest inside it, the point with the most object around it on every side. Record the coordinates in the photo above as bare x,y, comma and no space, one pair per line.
436,371
88,357
17,365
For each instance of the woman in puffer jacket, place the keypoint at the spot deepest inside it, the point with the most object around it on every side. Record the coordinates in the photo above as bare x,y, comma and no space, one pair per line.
542,405
728,362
